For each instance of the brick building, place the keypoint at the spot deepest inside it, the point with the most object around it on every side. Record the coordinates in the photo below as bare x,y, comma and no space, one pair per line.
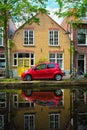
43,41
79,41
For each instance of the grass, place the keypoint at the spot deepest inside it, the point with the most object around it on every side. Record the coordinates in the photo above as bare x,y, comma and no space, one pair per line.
9,80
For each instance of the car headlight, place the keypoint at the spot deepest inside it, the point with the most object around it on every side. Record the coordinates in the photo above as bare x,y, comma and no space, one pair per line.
26,71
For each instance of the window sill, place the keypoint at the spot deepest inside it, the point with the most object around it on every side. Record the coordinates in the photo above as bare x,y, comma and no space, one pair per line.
28,45
83,45
2,46
54,45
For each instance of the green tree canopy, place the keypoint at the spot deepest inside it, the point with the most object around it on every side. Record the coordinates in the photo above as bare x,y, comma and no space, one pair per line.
79,8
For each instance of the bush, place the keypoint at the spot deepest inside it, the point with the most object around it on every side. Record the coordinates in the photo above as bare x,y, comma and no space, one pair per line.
85,74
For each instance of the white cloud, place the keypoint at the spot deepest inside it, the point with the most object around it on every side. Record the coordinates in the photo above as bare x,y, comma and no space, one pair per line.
53,16
52,6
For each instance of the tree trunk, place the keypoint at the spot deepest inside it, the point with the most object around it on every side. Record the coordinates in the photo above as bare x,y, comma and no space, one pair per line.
6,17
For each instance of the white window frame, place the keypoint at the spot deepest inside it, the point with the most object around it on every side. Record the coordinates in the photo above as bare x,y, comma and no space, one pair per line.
27,121
54,121
82,29
28,38
1,36
56,59
15,103
81,126
2,122
3,58
53,44
2,101
30,58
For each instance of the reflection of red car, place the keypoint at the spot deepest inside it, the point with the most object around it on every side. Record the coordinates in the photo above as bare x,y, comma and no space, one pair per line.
43,71
44,98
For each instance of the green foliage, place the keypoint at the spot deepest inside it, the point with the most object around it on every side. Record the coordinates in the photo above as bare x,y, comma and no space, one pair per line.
19,11
85,74
41,60
9,80
79,8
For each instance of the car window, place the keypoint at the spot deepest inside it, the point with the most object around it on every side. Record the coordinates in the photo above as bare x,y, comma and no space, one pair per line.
51,66
42,66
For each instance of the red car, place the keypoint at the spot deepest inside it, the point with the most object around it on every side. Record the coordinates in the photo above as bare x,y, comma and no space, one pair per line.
43,71
44,98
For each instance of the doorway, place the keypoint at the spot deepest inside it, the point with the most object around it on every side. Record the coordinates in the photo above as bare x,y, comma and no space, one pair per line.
81,64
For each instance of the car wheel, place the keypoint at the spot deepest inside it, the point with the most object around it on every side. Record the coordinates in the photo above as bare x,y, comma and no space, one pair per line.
58,77
27,92
58,92
28,78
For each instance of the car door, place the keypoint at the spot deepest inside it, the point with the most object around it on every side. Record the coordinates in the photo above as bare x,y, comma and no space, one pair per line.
50,70
40,71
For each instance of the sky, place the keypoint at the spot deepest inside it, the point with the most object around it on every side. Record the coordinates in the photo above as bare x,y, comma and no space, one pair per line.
52,6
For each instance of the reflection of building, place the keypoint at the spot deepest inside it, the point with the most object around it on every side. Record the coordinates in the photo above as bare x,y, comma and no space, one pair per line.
23,115
79,109
43,41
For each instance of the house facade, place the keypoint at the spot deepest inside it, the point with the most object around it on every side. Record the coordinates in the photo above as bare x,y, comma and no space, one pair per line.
11,29
36,42
80,45
79,42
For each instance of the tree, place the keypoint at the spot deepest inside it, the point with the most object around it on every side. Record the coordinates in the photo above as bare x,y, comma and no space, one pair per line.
73,9
18,10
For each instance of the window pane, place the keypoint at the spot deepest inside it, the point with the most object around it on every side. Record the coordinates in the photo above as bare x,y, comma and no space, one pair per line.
1,36
2,61
52,55
28,37
81,36
54,121
57,58
29,122
53,37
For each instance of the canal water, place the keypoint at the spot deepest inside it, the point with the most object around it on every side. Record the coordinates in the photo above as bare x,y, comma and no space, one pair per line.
36,109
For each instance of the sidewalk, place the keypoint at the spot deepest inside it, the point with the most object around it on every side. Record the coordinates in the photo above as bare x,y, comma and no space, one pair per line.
66,77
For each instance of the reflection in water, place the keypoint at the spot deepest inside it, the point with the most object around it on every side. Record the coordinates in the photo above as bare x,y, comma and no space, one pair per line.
61,109
44,98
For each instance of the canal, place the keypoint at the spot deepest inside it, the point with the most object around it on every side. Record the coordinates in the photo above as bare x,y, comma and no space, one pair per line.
43,105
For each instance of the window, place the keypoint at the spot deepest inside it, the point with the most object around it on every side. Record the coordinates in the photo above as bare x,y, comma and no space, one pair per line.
57,58
82,97
54,121
82,121
2,60
15,100
28,37
29,59
82,37
1,122
2,99
26,104
42,66
1,36
53,38
51,65
21,104
29,122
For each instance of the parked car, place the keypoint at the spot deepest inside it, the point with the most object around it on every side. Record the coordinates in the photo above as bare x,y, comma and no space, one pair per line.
44,98
43,71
